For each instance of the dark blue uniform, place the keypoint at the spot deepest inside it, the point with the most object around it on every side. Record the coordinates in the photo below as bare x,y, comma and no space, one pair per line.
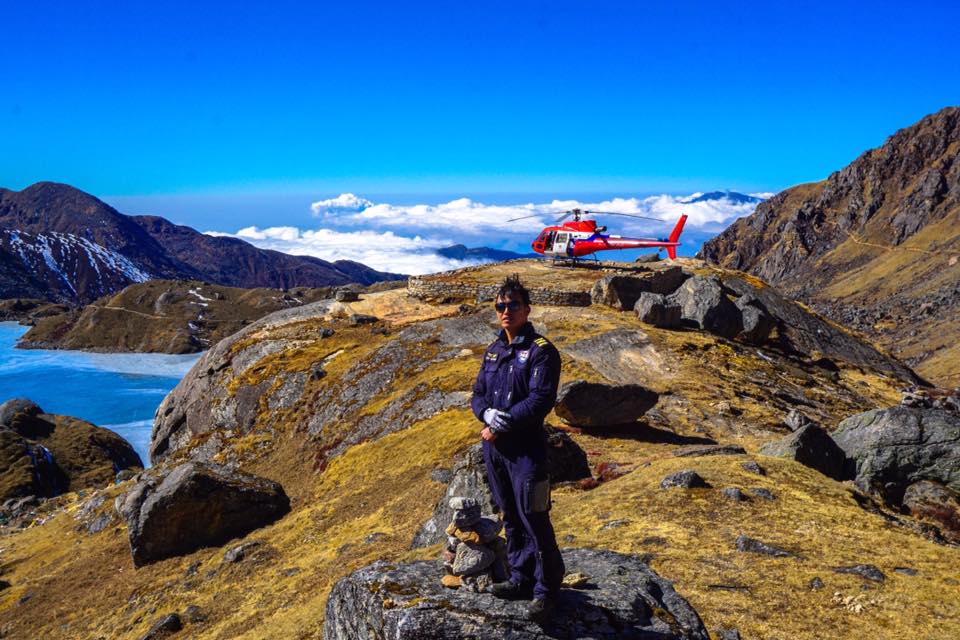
521,378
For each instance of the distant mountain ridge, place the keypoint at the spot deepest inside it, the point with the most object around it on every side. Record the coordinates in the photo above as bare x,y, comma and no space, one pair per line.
875,246
730,196
61,244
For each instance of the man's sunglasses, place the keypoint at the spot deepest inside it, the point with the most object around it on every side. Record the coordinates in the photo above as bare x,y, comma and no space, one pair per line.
513,305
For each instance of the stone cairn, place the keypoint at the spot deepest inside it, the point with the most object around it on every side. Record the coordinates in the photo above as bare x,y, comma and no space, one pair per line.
475,556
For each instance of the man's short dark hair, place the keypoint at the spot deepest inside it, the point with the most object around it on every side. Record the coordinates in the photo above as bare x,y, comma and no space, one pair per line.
512,287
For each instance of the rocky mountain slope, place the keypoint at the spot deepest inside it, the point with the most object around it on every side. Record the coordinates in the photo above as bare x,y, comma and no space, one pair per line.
58,243
359,411
235,263
164,316
876,246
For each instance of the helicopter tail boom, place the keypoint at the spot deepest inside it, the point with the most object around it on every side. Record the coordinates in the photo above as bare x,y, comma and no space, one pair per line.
675,237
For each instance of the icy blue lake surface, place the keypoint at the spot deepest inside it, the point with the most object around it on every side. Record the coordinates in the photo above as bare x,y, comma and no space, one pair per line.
119,391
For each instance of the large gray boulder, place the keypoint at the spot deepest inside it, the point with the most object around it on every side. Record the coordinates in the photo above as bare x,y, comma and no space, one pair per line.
622,292
890,449
932,501
45,455
812,446
704,305
23,406
196,505
624,599
220,394
803,332
594,404
757,323
653,308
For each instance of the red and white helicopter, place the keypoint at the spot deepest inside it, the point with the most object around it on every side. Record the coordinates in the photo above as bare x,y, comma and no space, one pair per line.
578,238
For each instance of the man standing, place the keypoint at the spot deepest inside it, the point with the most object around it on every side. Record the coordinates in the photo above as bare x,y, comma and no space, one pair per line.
514,391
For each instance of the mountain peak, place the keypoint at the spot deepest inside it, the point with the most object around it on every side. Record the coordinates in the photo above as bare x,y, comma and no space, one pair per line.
69,246
730,196
871,244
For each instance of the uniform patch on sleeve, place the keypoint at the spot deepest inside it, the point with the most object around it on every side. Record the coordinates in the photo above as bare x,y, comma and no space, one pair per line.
541,342
491,356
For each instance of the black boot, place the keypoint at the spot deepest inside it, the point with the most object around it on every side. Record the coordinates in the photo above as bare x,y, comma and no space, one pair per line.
541,609
510,591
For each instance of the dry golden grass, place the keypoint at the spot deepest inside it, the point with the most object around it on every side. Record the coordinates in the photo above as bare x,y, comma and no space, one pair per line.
812,516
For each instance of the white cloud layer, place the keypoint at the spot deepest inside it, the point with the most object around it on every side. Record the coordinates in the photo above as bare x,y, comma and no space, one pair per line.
384,251
404,238
467,217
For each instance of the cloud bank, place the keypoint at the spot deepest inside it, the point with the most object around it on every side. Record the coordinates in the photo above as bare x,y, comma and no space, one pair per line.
468,217
384,251
404,238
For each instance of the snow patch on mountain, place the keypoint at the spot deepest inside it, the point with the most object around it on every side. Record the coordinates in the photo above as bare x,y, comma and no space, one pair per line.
57,252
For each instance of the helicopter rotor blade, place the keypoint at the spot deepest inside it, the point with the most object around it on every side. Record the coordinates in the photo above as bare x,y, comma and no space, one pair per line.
535,215
566,214
629,215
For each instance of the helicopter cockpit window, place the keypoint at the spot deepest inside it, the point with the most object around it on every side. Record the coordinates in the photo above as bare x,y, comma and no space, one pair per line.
550,236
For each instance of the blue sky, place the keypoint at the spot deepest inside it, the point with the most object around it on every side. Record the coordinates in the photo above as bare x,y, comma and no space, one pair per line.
198,110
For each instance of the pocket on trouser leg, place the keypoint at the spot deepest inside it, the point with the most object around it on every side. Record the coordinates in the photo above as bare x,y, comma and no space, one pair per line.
536,495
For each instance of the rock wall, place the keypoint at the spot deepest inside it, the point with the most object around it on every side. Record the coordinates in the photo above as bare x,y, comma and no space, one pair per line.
431,287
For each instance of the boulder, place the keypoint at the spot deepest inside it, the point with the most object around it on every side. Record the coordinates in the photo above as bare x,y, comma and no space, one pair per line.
758,324
622,292
753,467
346,295
12,407
868,571
623,598
803,332
890,449
653,308
46,455
165,627
594,404
746,544
698,450
566,461
932,501
735,494
704,305
811,446
196,505
686,479
796,420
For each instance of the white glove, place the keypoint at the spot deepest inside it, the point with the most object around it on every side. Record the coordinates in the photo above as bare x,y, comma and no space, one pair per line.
498,421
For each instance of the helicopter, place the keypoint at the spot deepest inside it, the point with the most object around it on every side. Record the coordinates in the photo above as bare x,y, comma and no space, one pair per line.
578,238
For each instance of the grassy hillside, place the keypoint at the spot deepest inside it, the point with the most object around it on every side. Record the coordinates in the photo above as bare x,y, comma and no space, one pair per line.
367,502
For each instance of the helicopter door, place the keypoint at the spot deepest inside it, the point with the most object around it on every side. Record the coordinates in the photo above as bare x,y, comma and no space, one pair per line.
560,244
548,244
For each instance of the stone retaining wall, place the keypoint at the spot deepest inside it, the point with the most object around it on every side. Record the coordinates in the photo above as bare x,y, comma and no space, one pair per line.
426,287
